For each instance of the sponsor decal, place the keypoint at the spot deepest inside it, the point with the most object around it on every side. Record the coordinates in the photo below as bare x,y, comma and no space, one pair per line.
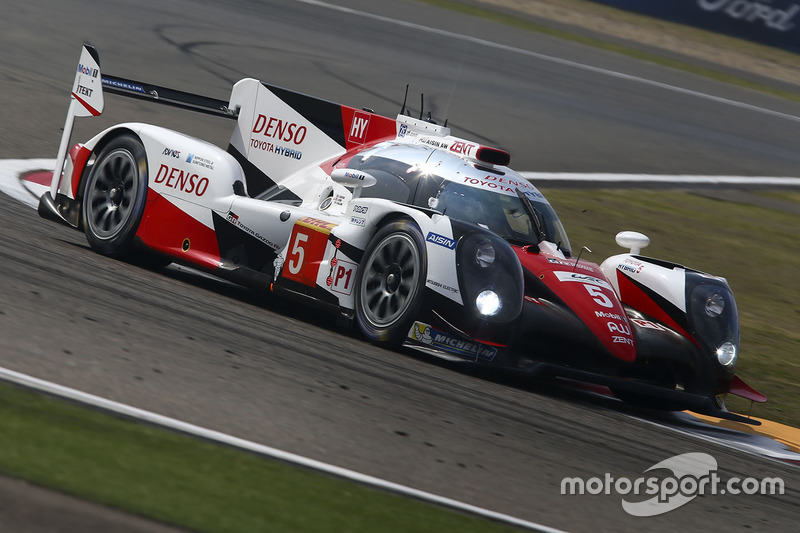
268,147
430,336
573,264
582,278
85,91
316,224
631,266
615,327
619,339
338,199
355,175
753,12
503,184
434,283
463,148
648,324
172,153
433,142
603,314
358,221
441,240
533,300
360,209
124,85
403,130
233,218
179,180
279,129
200,161
358,129
87,71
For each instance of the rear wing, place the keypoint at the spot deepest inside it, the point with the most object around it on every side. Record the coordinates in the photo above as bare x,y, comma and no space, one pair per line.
286,142
278,133
87,100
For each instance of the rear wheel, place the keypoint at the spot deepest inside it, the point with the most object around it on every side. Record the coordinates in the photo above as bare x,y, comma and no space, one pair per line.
114,196
390,282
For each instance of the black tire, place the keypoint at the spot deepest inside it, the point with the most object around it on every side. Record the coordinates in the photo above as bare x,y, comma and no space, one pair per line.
390,283
114,197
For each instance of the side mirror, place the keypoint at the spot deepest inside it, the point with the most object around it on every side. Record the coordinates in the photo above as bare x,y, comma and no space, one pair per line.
356,179
633,240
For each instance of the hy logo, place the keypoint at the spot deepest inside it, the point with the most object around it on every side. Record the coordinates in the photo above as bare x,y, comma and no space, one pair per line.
358,129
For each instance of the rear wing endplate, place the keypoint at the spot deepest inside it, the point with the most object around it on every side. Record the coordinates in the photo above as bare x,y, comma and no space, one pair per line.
87,100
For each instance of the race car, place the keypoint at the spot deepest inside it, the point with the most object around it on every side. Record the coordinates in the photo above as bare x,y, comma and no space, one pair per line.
415,237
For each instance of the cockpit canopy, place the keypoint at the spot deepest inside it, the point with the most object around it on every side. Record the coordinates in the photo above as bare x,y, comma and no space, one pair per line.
496,198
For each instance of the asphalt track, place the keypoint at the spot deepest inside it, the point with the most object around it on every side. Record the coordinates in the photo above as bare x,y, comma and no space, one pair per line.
211,354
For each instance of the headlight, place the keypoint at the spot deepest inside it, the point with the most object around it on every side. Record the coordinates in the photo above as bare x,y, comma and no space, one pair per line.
713,318
726,354
489,275
715,305
485,254
488,303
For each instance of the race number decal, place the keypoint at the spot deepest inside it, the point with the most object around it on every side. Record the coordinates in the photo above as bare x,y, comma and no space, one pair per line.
599,296
306,248
343,274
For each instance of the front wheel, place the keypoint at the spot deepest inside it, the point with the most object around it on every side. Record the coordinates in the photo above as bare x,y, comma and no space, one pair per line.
390,282
114,196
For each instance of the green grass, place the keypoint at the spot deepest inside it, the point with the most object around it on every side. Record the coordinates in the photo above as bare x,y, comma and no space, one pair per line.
639,53
755,248
193,483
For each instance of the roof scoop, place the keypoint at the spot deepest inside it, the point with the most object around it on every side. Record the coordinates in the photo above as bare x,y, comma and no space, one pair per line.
493,156
633,240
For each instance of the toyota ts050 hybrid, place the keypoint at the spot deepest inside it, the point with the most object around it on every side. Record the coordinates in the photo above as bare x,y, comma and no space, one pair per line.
413,236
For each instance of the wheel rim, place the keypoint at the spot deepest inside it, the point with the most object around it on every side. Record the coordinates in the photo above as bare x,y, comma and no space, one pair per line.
390,281
112,195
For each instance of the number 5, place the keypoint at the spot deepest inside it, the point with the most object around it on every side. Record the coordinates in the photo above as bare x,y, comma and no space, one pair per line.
297,249
599,296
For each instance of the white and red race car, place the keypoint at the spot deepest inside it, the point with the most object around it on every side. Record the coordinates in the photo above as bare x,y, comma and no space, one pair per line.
414,236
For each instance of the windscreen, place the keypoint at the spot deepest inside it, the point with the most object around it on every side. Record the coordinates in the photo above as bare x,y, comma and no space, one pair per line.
503,214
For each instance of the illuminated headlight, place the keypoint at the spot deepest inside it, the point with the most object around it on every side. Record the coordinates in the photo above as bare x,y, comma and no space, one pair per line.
715,305
726,354
488,303
485,254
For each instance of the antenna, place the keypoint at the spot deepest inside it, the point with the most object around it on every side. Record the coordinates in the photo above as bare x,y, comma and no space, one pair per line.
421,104
579,257
405,98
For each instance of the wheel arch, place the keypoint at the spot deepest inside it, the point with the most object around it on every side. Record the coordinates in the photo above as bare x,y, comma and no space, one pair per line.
96,145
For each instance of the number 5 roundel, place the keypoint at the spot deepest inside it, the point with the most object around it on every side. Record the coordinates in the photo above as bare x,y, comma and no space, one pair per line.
306,249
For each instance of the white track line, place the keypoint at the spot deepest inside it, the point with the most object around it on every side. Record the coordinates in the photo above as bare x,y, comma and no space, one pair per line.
10,169
597,179
274,453
553,59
